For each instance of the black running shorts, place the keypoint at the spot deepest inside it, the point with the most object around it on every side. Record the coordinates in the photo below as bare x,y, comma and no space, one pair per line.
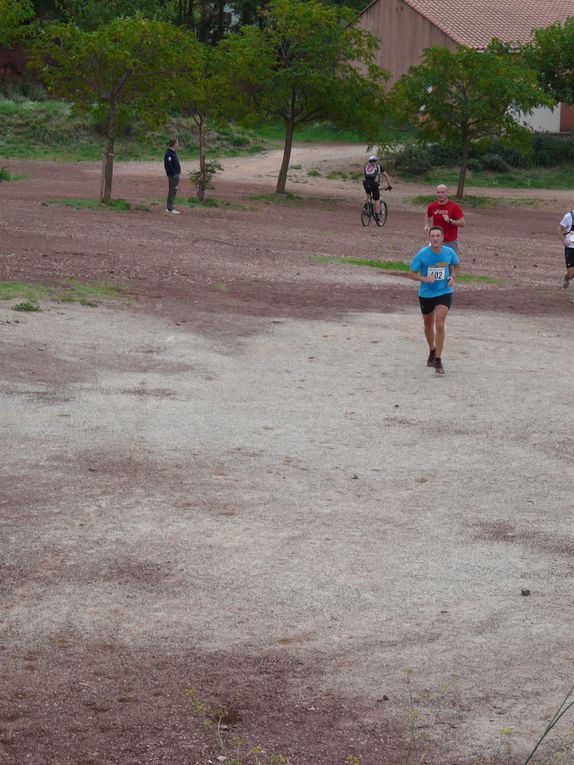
429,304
569,255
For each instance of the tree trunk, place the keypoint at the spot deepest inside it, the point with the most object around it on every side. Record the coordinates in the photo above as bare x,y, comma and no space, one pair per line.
108,164
202,125
290,130
463,164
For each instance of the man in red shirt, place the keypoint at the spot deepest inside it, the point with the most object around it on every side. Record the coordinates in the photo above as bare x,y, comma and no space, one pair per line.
446,214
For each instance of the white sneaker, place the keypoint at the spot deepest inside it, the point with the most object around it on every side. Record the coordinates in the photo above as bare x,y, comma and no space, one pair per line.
173,212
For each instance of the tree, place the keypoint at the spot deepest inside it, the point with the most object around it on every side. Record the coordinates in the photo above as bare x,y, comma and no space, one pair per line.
91,14
551,53
123,69
14,18
468,95
201,95
302,66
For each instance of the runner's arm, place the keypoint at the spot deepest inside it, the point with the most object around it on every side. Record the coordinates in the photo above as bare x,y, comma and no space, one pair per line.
453,271
416,277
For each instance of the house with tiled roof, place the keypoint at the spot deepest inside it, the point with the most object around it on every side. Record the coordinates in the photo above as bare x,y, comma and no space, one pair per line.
405,28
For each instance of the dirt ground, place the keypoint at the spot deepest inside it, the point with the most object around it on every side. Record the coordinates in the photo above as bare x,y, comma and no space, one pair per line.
246,482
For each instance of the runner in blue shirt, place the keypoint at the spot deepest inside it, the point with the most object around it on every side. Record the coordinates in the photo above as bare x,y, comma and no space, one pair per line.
435,267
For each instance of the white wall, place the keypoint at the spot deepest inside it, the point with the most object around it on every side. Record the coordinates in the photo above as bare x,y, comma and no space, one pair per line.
544,119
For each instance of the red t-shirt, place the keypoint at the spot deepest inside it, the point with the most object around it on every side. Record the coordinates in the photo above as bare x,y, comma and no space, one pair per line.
435,211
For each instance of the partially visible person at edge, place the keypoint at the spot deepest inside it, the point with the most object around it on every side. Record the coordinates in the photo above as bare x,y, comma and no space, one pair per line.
173,171
446,214
435,267
566,234
371,179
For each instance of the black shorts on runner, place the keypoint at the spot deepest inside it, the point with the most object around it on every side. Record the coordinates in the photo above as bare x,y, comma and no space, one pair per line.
569,255
371,187
429,304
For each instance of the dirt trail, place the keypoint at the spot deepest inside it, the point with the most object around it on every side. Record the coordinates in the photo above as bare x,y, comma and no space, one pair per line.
247,480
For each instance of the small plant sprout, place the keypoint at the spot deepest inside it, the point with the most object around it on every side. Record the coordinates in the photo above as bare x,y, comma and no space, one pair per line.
567,704
218,719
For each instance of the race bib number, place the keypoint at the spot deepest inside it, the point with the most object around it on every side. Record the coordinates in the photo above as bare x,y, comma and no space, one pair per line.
439,272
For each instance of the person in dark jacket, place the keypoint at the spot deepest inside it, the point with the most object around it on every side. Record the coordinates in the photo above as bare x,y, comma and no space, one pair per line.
173,171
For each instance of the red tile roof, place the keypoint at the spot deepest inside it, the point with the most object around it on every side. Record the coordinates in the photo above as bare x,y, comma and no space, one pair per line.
475,22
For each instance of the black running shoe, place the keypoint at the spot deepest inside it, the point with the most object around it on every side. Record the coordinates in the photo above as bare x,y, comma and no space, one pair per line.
431,358
565,282
438,367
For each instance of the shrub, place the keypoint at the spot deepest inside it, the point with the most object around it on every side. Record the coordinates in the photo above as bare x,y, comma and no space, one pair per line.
549,150
413,159
495,163
444,154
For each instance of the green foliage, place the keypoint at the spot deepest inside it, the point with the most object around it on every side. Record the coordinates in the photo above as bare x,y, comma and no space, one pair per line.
286,198
413,159
50,130
300,67
28,306
15,16
550,53
91,14
203,177
120,205
495,162
125,68
467,95
5,174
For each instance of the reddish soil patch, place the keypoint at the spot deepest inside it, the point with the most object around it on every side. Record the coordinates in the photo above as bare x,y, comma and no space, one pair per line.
223,274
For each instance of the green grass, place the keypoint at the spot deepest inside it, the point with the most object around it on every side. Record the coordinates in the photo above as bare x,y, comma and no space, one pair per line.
531,178
5,174
119,205
317,132
28,306
475,201
397,265
51,130
343,175
288,199
71,291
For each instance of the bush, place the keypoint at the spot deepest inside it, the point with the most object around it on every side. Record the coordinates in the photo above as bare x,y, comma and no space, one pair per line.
495,162
474,164
413,159
549,150
444,154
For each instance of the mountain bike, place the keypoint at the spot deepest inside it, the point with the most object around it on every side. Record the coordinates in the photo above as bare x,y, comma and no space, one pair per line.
368,211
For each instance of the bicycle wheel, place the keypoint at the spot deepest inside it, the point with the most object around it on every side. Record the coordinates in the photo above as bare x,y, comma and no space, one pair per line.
381,219
366,214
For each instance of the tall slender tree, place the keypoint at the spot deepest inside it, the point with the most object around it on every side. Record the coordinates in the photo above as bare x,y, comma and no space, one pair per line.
129,67
309,62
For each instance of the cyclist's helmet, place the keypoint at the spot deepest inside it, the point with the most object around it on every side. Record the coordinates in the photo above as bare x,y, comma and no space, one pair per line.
373,158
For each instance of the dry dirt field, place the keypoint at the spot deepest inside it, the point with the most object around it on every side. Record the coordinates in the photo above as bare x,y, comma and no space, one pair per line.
246,482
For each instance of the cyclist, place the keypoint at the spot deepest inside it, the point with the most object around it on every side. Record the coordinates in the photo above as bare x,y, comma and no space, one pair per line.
371,179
